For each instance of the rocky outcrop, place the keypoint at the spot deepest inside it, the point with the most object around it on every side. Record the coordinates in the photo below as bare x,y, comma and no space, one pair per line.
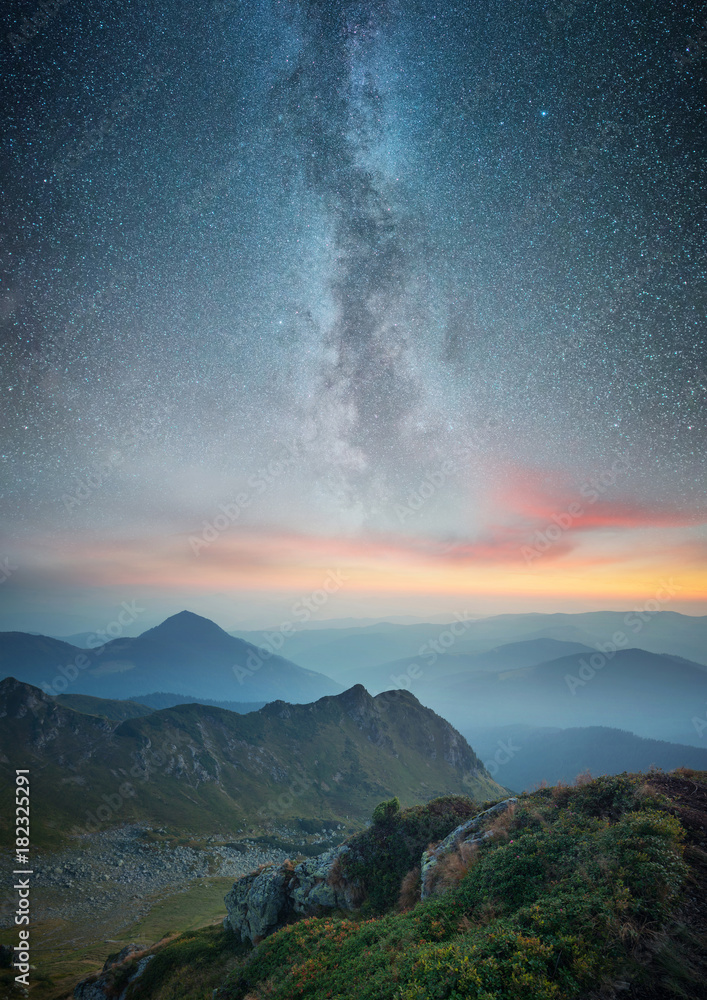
91,989
265,900
470,832
102,987
259,903
123,955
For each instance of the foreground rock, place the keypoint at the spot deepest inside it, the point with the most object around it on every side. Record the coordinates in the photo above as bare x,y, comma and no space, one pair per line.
265,900
471,832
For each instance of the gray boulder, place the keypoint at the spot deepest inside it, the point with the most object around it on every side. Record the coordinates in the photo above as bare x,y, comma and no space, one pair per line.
90,989
263,901
316,886
123,955
259,903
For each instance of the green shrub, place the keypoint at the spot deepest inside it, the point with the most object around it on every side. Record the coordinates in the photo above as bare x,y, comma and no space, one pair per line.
549,913
385,811
381,856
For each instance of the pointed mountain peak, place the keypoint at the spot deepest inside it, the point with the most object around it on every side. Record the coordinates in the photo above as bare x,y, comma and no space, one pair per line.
356,695
186,627
357,702
17,698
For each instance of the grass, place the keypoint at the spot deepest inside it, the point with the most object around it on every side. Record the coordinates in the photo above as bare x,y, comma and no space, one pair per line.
383,854
189,968
64,953
201,904
329,769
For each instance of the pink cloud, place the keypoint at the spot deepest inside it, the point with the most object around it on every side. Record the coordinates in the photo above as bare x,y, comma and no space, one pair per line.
534,499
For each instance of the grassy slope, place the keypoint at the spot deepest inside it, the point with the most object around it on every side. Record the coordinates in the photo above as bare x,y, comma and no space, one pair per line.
346,774
582,888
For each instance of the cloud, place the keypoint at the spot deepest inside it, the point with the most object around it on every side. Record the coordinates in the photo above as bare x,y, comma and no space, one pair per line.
246,566
535,498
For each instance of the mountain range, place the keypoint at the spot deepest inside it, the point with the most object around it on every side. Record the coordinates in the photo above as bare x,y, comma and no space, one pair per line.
206,770
339,651
652,695
555,676
522,755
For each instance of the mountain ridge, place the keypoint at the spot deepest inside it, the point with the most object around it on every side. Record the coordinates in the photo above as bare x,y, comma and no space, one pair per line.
207,769
339,652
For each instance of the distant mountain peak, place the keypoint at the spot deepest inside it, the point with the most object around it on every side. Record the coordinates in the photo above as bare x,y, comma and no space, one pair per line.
186,627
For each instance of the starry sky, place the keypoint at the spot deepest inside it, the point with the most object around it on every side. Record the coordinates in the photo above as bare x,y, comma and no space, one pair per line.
411,292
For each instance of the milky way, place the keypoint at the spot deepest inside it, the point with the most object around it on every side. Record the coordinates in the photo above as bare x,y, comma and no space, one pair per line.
380,236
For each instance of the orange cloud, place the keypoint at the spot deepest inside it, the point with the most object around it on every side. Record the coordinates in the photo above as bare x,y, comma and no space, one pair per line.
239,560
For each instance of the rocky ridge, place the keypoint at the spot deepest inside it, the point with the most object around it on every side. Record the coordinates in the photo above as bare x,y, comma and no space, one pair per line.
207,771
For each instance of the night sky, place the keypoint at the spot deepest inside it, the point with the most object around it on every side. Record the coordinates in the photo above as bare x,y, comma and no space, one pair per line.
415,292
